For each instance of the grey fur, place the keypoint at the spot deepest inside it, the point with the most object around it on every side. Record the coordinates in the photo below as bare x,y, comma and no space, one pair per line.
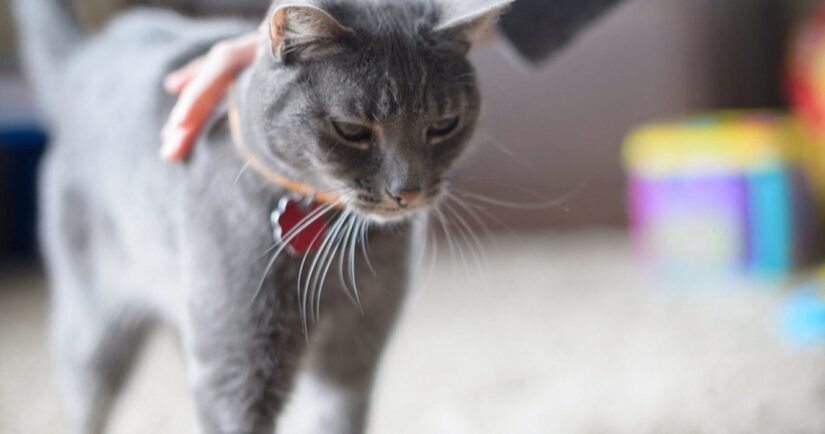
48,44
132,242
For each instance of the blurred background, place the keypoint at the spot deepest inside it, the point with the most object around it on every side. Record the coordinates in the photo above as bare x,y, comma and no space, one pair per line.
673,290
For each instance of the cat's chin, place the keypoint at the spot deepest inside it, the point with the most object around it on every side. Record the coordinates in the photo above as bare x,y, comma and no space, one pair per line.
380,215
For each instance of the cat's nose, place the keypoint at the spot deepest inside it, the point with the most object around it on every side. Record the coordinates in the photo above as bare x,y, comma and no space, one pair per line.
405,196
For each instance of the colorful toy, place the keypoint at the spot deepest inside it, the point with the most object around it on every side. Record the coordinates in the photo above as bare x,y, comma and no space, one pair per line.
803,317
804,312
806,75
720,195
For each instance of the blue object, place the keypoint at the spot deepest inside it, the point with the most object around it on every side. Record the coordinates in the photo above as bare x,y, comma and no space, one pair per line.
20,150
771,223
804,315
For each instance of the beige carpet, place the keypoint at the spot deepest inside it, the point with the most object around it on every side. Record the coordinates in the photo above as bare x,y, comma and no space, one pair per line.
561,336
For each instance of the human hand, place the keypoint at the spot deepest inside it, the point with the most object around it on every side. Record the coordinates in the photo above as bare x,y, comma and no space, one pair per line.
200,85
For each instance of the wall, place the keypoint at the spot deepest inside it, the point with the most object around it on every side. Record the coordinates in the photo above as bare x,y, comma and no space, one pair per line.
560,127
6,32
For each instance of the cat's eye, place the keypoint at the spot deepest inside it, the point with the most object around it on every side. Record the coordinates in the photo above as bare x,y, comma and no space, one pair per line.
354,133
443,128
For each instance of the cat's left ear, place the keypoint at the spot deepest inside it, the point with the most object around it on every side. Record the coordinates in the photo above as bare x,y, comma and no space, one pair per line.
466,29
304,31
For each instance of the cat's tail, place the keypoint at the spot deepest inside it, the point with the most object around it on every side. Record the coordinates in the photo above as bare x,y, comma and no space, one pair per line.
48,34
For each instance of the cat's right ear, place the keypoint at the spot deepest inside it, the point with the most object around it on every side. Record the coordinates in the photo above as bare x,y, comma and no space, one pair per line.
463,29
304,31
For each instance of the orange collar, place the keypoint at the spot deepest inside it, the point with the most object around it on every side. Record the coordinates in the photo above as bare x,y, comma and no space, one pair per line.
255,163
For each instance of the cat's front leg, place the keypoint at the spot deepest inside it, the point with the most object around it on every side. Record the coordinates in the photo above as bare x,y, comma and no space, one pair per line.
241,362
332,391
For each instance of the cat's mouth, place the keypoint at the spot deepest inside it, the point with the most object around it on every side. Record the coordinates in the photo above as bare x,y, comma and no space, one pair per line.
381,213
387,208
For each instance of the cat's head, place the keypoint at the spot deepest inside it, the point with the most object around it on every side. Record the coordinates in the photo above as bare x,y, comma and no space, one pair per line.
371,100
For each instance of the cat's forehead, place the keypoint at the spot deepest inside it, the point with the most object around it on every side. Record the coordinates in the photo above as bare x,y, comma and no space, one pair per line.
393,66
383,85
395,40
384,17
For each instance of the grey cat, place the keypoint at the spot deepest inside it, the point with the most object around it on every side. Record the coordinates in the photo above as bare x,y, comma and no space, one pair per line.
369,101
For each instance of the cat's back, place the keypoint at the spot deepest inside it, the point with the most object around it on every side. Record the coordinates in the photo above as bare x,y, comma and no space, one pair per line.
112,87
102,180
111,105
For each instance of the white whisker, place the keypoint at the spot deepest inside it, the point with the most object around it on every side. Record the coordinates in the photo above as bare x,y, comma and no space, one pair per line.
282,245
468,234
472,212
326,264
365,239
434,243
546,204
352,251
419,262
309,279
346,245
241,172
342,257
454,246
295,231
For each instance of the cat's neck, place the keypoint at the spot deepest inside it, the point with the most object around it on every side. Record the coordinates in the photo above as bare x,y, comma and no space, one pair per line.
249,143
